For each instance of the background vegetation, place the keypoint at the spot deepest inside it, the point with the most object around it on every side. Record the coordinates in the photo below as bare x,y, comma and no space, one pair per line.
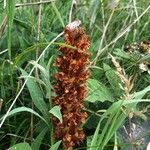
118,89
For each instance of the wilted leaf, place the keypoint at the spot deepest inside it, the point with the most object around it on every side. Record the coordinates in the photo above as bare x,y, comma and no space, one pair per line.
112,4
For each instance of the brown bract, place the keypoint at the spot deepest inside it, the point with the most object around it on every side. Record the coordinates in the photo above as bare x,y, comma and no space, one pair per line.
70,87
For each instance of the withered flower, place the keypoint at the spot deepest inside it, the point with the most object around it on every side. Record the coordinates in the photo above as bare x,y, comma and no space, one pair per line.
70,87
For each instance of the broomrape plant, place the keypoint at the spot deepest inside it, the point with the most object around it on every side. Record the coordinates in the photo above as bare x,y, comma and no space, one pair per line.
70,87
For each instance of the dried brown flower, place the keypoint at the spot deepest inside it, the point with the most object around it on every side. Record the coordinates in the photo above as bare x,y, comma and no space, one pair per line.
70,87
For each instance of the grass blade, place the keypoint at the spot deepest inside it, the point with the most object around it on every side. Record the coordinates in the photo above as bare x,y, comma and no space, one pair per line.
55,146
10,6
37,142
24,109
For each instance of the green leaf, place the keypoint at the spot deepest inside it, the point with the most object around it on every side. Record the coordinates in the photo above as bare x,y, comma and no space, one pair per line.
113,79
21,146
97,92
121,53
95,137
88,141
22,109
37,142
36,95
10,5
41,68
58,14
55,146
140,94
56,112
94,5
145,58
20,58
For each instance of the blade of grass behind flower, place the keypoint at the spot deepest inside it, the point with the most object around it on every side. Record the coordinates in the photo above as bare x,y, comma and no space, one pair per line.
23,109
58,15
55,146
10,6
35,145
110,113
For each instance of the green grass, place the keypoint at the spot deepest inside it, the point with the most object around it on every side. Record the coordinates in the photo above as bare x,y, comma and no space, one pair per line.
26,69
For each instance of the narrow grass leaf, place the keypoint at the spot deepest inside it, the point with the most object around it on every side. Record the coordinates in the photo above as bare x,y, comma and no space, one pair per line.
116,143
24,109
55,146
95,137
104,133
145,58
94,5
35,145
19,129
109,115
140,94
58,15
20,58
10,6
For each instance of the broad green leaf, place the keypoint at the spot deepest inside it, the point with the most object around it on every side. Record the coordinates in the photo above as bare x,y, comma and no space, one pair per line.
97,92
37,142
34,79
56,112
55,146
121,53
41,68
21,146
44,73
24,109
113,79
36,95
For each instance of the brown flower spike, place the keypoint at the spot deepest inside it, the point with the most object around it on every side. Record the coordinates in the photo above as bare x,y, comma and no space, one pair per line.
70,87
